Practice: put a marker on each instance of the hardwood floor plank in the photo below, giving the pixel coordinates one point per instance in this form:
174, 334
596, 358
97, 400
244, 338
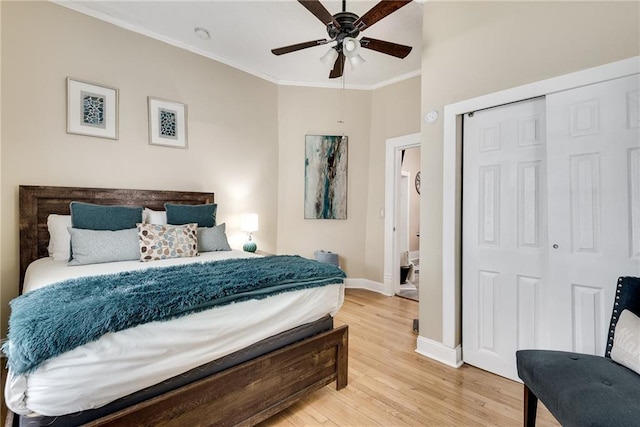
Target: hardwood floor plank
391, 385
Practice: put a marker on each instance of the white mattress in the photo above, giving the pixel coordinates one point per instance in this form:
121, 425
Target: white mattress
120, 363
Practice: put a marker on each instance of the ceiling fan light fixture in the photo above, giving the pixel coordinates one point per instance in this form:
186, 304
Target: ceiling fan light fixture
329, 58
343, 28
356, 61
350, 46
351, 49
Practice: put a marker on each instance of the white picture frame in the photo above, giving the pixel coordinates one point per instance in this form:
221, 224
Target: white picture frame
167, 123
92, 109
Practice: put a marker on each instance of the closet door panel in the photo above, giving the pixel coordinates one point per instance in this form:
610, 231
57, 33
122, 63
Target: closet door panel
503, 234
594, 205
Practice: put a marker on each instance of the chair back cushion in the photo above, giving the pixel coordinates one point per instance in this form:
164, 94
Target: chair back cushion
627, 297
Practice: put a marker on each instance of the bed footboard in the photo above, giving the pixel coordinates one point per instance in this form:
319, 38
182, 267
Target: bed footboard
248, 393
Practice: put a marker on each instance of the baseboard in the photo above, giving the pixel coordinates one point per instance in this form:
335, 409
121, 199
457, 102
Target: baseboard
407, 286
440, 352
371, 285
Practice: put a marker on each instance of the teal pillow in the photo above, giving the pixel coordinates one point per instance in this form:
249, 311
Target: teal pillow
203, 215
103, 217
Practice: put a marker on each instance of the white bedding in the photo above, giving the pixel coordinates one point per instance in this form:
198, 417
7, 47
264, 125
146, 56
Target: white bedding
120, 363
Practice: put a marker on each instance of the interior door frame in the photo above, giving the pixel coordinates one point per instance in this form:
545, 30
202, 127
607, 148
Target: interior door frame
393, 167
451, 350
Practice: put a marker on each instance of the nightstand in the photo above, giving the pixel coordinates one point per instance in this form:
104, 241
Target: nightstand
263, 253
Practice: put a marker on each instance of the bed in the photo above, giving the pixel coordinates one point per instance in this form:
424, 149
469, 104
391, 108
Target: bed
276, 366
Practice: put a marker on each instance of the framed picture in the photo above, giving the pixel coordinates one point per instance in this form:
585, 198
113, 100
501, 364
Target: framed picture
167, 123
92, 109
325, 177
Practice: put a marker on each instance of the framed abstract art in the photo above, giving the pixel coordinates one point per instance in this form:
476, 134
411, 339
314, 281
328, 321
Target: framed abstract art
167, 123
325, 177
92, 109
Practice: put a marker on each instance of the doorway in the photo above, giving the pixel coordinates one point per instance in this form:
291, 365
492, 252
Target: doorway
397, 212
409, 224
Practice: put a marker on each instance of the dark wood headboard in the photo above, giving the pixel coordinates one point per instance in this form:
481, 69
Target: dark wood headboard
37, 202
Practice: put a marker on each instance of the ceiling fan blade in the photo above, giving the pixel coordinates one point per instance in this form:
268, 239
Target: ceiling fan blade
379, 11
299, 46
320, 12
338, 66
393, 49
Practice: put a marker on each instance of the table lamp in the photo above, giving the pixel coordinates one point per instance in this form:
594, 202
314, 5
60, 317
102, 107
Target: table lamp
249, 224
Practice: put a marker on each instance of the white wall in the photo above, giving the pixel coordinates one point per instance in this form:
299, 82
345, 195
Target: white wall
246, 136
313, 111
475, 48
232, 122
395, 111
3, 306
370, 118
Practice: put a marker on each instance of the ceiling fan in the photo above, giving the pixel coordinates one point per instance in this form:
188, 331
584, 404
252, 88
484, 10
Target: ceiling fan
343, 28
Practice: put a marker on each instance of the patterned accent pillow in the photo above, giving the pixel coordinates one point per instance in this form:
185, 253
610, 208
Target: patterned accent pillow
159, 241
626, 342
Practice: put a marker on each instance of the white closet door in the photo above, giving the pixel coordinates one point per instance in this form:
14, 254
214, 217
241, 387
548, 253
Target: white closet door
504, 234
594, 207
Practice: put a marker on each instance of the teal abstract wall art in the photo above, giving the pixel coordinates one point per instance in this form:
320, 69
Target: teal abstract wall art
325, 177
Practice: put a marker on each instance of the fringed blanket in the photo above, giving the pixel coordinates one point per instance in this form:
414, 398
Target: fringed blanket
49, 321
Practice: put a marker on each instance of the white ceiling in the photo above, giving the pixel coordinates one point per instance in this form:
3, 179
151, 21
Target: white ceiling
243, 32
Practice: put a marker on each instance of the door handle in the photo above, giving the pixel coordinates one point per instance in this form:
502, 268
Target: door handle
555, 246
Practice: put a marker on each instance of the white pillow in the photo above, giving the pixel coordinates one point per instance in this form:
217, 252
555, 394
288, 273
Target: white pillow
150, 216
626, 341
59, 238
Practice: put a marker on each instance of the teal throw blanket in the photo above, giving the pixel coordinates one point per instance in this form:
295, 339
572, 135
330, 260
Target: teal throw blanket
48, 321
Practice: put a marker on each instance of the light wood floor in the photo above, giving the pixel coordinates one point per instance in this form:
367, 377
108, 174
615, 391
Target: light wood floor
391, 385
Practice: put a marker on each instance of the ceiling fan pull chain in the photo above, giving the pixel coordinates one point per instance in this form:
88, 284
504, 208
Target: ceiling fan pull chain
341, 121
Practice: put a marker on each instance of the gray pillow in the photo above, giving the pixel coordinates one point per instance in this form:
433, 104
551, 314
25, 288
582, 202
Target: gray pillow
98, 246
213, 239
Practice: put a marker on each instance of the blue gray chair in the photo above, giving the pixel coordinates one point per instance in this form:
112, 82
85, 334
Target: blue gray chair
580, 389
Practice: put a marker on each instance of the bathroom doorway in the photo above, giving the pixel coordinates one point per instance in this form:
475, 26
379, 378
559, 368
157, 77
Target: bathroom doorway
402, 186
408, 230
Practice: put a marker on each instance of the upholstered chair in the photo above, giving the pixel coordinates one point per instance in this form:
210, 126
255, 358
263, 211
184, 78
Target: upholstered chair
581, 389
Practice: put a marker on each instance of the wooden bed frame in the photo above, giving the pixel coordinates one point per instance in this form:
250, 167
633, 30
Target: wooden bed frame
245, 394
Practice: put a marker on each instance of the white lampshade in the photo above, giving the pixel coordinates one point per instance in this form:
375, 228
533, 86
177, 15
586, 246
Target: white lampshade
351, 49
249, 222
356, 60
350, 46
329, 58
